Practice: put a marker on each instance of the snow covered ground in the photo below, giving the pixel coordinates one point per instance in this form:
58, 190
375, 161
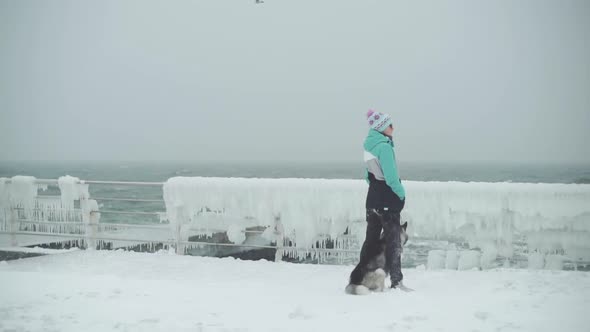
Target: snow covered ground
127, 291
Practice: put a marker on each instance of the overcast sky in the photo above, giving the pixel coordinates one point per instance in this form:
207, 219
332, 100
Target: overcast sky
292, 80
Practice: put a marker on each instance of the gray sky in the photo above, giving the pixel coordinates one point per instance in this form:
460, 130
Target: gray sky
292, 80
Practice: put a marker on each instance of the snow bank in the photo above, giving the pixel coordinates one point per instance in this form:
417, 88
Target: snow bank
551, 218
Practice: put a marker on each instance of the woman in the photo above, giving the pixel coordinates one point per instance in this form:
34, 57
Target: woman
386, 195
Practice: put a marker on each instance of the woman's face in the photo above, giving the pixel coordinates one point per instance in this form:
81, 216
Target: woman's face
388, 131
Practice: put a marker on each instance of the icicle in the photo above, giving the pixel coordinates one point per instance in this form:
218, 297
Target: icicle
489, 216
21, 192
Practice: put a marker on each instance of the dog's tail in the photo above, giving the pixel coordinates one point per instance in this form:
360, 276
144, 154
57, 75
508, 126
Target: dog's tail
357, 290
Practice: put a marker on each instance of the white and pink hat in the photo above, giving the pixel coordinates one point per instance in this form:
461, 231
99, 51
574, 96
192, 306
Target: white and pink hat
378, 121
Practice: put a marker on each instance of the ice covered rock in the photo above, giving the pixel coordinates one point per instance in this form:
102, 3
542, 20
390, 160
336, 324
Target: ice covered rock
536, 261
452, 260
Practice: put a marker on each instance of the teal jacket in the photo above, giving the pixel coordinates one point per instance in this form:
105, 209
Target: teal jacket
381, 163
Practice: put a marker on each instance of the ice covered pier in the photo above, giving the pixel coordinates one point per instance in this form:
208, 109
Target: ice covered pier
452, 225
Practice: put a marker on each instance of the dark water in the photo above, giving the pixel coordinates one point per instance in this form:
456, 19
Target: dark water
155, 171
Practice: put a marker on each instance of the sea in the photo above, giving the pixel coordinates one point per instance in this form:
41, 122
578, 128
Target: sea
416, 171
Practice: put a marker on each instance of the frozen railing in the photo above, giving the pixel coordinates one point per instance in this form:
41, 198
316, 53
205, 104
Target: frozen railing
58, 211
451, 224
42, 211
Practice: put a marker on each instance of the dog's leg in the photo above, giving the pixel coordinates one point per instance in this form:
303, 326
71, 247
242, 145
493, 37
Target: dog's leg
380, 280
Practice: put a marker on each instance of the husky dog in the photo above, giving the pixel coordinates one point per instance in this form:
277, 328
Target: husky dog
369, 274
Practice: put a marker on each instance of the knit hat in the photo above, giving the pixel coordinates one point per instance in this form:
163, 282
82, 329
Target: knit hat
378, 121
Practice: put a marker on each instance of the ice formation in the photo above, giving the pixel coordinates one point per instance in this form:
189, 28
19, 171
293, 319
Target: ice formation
551, 221
536, 261
22, 192
489, 217
554, 262
71, 189
236, 234
4, 194
45, 213
469, 259
436, 259
306, 208
18, 192
4, 204
452, 260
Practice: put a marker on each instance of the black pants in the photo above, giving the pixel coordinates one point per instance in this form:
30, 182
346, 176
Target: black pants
389, 222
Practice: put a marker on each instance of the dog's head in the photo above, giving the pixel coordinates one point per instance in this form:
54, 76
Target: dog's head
403, 234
